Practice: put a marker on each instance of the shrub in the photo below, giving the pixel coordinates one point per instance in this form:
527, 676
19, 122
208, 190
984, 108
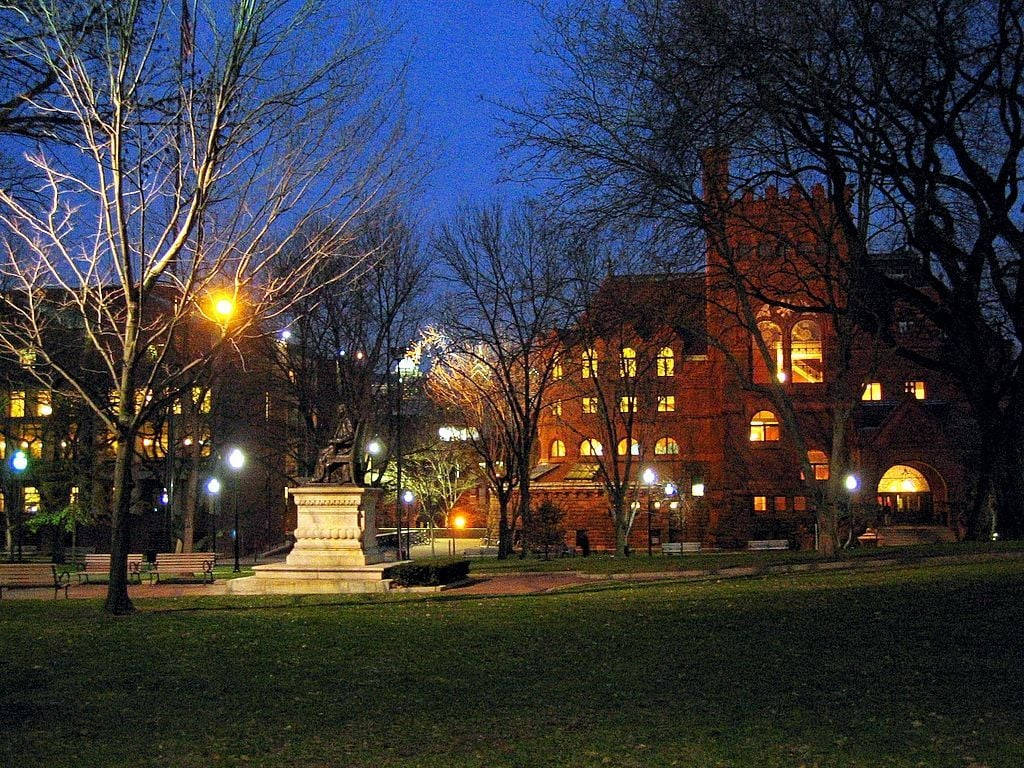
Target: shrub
428, 574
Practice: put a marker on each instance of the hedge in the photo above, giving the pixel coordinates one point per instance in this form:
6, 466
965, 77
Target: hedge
428, 574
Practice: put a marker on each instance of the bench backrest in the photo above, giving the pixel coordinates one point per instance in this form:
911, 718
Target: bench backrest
16, 574
769, 544
101, 563
185, 562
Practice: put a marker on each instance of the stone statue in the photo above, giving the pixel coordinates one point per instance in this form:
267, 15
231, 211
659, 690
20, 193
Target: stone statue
336, 463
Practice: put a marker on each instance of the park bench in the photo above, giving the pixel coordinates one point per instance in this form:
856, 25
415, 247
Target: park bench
763, 544
679, 547
33, 575
99, 565
183, 564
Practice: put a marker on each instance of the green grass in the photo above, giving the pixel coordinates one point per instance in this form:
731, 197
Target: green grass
639, 562
906, 667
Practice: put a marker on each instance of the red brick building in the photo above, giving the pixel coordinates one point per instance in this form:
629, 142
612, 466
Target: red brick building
665, 397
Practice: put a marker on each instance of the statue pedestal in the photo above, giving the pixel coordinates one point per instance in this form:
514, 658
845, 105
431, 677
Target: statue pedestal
335, 546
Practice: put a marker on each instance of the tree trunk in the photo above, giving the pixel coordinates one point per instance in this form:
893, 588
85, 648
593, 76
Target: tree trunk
504, 534
524, 510
118, 602
621, 526
189, 508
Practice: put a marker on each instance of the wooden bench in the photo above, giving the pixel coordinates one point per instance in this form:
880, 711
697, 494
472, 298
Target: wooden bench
99, 565
679, 547
33, 575
763, 544
183, 564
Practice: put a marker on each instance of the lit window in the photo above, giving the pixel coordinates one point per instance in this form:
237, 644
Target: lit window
43, 405
799, 503
764, 427
872, 391
819, 465
666, 403
666, 362
666, 446
556, 369
590, 405
780, 503
805, 353
760, 503
557, 449
31, 499
556, 408
201, 398
591, 447
772, 336
627, 404
27, 357
627, 363
142, 398
915, 389
630, 445
589, 363
17, 405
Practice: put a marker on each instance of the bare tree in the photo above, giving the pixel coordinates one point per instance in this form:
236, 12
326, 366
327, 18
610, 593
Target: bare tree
192, 167
508, 289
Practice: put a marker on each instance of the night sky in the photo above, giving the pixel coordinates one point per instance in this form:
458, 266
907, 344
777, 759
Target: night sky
463, 55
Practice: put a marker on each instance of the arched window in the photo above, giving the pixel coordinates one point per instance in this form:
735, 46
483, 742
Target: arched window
805, 352
630, 445
627, 363
556, 368
819, 464
589, 363
666, 446
666, 362
764, 427
557, 449
591, 447
772, 335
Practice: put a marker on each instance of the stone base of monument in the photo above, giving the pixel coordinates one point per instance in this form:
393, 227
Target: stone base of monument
335, 548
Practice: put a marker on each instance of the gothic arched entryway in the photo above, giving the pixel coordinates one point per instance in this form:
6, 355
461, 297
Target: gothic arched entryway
905, 496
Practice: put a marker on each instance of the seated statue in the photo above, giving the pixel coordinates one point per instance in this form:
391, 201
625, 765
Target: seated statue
336, 463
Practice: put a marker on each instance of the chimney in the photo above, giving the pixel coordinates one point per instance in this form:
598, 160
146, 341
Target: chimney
715, 180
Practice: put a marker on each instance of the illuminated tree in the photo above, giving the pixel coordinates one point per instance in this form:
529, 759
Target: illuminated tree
187, 174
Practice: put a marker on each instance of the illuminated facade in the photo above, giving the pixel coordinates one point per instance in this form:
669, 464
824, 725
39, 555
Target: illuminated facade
676, 382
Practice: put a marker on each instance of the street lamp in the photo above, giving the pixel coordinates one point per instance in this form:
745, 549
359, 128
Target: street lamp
213, 488
851, 483
650, 478
407, 498
224, 308
236, 460
19, 463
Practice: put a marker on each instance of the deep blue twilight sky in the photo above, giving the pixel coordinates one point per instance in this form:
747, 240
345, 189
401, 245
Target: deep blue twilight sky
463, 55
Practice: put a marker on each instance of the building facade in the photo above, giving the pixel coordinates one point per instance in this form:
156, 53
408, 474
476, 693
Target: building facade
670, 395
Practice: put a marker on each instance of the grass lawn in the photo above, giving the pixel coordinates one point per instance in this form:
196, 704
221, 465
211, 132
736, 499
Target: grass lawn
912, 667
639, 562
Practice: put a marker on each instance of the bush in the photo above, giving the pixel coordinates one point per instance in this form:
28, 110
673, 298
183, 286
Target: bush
428, 574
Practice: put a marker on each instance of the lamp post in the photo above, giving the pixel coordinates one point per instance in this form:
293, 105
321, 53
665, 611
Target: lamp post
407, 498
213, 488
650, 478
236, 460
404, 368
19, 463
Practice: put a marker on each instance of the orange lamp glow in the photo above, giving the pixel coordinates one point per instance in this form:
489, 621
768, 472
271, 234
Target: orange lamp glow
224, 307
459, 521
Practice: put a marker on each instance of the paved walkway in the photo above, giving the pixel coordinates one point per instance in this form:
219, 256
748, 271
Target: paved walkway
537, 583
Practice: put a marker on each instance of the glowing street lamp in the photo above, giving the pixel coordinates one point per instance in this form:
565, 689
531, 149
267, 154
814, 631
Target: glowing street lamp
213, 488
19, 463
851, 483
650, 479
224, 308
236, 460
